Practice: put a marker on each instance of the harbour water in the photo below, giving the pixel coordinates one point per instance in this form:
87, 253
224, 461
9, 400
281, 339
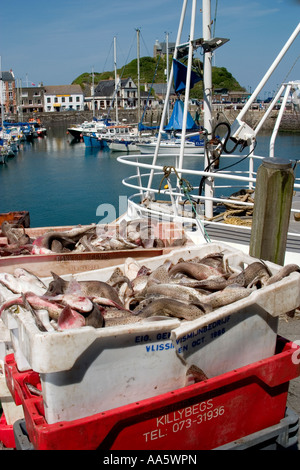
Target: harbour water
64, 183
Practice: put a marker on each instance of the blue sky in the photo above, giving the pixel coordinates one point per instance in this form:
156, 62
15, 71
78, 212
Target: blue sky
55, 41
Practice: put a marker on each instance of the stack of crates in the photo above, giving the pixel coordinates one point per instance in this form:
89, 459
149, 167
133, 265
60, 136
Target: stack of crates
241, 409
9, 412
127, 386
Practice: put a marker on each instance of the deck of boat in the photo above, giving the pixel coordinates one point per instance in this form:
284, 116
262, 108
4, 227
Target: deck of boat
233, 234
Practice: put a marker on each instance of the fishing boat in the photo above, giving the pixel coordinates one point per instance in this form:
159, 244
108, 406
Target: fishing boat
204, 200
171, 141
88, 127
41, 131
120, 138
170, 147
123, 145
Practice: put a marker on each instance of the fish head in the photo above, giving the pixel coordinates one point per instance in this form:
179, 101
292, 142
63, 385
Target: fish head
57, 286
69, 319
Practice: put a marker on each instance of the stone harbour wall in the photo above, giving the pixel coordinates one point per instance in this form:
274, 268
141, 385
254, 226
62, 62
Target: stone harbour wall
290, 120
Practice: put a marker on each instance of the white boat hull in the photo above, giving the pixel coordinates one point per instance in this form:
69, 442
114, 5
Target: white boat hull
170, 148
125, 146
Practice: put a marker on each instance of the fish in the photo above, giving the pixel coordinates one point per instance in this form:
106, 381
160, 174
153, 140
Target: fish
90, 289
78, 302
161, 273
19, 285
175, 291
69, 319
116, 317
22, 273
256, 272
16, 249
33, 390
95, 317
131, 268
65, 238
173, 308
36, 302
121, 244
195, 270
283, 272
230, 294
6, 293
197, 373
38, 321
214, 260
15, 236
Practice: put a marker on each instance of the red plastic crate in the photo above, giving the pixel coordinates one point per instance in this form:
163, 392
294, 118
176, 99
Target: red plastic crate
202, 416
7, 433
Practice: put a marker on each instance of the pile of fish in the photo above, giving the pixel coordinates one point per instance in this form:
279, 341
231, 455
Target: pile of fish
186, 290
91, 238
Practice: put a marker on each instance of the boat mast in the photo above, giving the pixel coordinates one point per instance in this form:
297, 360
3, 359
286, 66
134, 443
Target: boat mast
207, 102
187, 84
1, 80
93, 91
138, 74
116, 78
167, 69
163, 117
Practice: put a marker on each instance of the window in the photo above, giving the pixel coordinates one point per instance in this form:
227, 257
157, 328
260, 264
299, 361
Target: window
70, 99
48, 100
63, 99
77, 99
56, 100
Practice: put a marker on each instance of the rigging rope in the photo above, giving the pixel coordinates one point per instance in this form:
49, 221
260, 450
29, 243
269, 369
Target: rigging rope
187, 188
116, 90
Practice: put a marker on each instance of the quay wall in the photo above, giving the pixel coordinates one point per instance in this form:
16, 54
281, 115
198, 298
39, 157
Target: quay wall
290, 120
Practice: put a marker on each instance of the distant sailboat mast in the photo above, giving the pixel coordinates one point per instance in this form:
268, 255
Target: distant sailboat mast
138, 74
2, 114
116, 77
93, 91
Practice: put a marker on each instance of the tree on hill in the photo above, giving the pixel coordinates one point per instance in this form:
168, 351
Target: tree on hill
220, 76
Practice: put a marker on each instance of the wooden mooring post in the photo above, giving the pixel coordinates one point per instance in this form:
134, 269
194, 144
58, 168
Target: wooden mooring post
272, 207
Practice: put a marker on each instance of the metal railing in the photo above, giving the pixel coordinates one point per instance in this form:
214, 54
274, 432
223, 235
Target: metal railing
226, 180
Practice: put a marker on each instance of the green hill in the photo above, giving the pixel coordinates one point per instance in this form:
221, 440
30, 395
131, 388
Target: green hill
220, 75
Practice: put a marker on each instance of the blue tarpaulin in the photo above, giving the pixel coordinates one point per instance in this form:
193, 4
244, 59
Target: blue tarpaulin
180, 71
142, 127
175, 122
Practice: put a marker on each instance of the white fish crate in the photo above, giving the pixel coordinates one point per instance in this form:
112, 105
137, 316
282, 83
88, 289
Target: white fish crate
85, 370
6, 346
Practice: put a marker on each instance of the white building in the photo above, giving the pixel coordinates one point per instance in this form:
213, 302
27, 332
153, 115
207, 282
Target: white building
63, 98
127, 95
8, 92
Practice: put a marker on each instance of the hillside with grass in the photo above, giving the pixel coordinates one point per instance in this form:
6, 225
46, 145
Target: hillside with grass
153, 69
